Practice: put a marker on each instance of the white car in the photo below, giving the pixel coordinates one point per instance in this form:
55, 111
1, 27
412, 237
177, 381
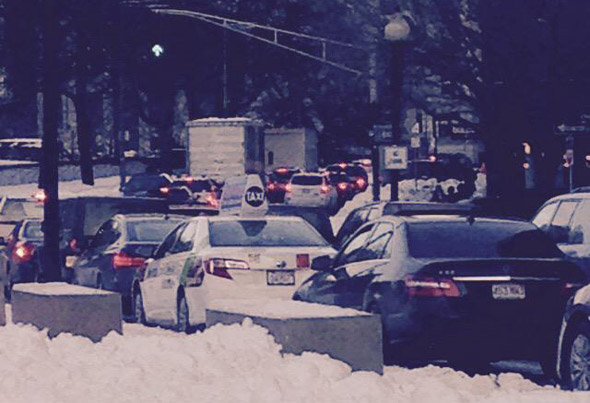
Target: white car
224, 257
311, 190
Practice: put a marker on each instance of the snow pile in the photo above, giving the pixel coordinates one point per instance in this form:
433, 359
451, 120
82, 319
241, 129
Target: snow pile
238, 363
422, 190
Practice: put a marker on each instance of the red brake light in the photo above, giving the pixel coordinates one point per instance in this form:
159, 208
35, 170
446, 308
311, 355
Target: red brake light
212, 200
165, 191
343, 165
272, 186
325, 189
23, 252
303, 261
74, 245
431, 288
288, 188
219, 267
123, 261
342, 186
282, 171
361, 183
40, 196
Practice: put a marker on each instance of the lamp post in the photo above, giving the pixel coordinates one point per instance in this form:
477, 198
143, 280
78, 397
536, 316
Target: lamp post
397, 32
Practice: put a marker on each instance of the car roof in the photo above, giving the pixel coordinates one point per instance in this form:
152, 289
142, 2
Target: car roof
151, 216
449, 218
309, 174
227, 218
577, 195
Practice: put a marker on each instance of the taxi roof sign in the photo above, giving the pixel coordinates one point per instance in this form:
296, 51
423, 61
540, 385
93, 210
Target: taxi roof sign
244, 196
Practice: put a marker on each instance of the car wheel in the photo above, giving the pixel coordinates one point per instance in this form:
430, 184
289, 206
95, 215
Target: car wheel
182, 315
138, 312
576, 353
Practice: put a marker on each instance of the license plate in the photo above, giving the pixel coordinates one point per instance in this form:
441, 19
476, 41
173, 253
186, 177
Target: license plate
508, 291
280, 277
306, 191
71, 261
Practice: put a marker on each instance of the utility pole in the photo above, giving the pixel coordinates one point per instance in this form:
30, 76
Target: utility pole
116, 94
49, 180
397, 32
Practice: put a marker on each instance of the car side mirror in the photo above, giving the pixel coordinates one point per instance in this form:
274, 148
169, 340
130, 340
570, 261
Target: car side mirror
322, 263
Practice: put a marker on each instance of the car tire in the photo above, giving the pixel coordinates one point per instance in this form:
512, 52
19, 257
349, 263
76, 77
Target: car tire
138, 311
575, 364
182, 315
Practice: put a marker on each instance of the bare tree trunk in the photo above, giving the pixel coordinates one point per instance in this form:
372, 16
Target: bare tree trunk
82, 118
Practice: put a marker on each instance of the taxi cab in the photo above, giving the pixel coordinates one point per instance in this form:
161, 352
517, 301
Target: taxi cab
224, 257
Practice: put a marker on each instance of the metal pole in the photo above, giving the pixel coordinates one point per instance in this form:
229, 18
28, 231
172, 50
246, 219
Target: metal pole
397, 78
49, 180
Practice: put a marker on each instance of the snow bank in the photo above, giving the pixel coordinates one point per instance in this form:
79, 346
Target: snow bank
238, 363
57, 289
103, 187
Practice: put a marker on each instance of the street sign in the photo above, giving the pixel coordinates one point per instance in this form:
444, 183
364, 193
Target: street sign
395, 157
564, 129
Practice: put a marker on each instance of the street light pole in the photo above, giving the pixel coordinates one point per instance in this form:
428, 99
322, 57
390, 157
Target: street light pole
397, 32
48, 178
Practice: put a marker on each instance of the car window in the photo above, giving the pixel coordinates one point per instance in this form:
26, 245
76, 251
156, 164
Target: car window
267, 233
353, 249
33, 230
352, 223
108, 233
378, 243
580, 224
186, 239
560, 226
307, 180
168, 242
564, 213
544, 216
479, 240
150, 230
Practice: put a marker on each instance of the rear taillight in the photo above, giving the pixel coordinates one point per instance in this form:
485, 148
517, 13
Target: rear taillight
418, 287
303, 261
220, 267
122, 260
211, 200
325, 189
342, 186
164, 191
360, 183
288, 188
74, 245
23, 252
272, 187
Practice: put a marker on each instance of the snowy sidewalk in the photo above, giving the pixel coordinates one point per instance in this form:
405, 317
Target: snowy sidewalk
238, 363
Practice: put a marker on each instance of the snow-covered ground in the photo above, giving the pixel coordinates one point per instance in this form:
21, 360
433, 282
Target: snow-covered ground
103, 187
237, 363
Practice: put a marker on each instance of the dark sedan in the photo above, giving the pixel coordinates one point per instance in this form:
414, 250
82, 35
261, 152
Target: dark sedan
573, 359
148, 185
119, 249
22, 250
471, 291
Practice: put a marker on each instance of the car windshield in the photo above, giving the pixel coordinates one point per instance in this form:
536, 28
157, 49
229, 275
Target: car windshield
264, 233
150, 230
146, 182
479, 240
307, 180
33, 230
199, 185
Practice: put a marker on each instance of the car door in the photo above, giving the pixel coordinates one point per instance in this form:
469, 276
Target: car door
353, 269
151, 286
559, 229
578, 244
359, 273
88, 268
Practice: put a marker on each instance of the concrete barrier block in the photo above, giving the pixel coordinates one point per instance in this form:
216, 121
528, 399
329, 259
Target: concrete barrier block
350, 336
66, 308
